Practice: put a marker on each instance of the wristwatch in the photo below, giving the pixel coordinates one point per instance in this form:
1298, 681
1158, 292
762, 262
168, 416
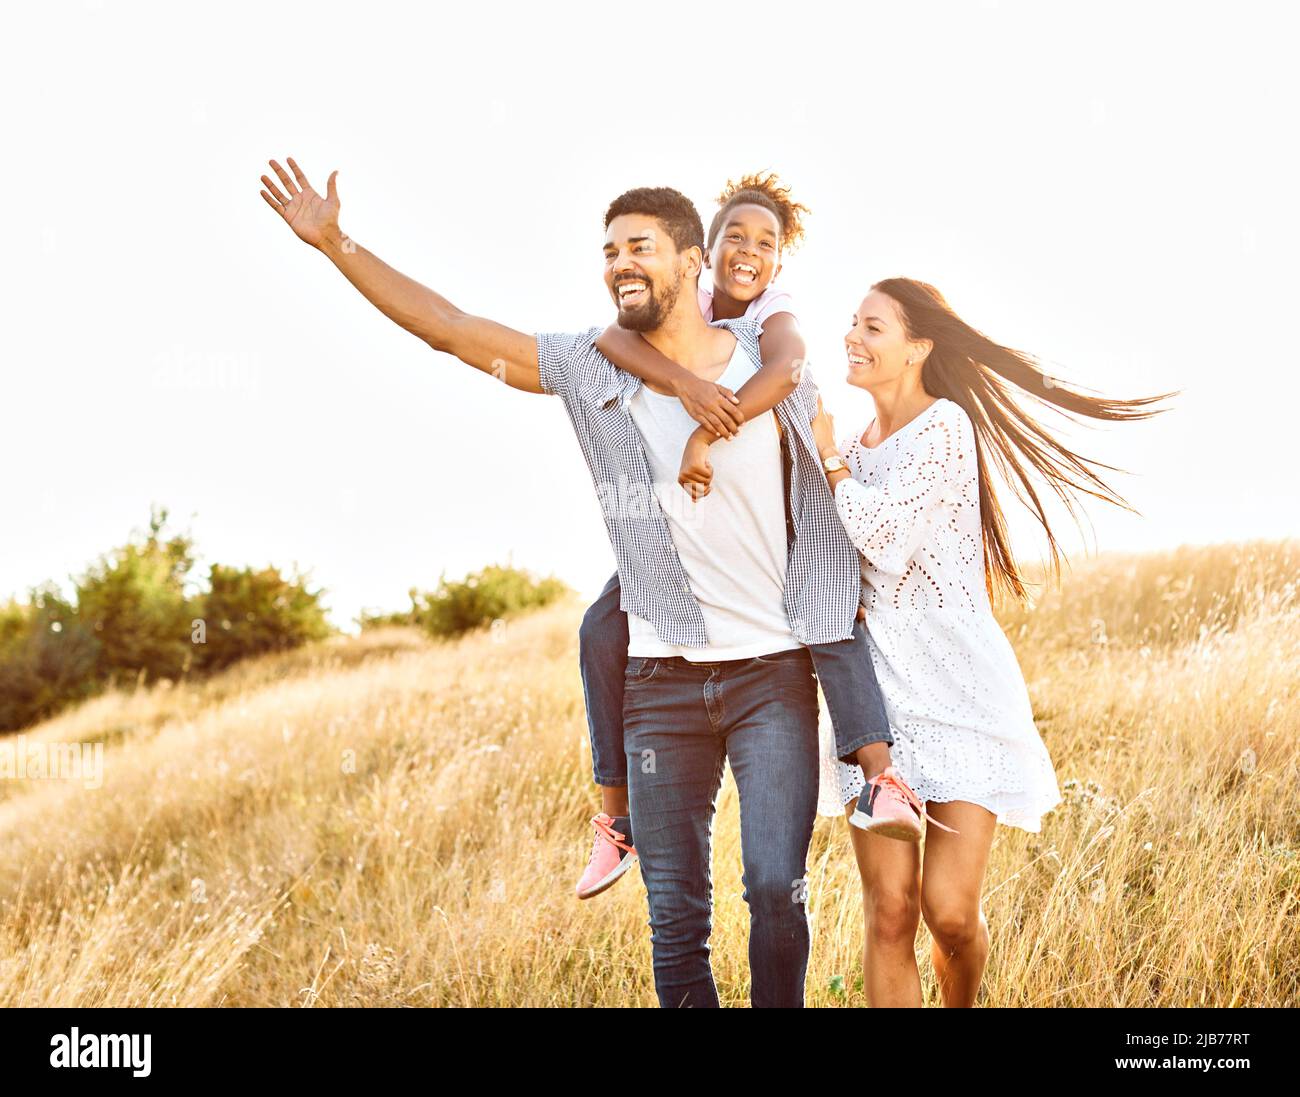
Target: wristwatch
834, 463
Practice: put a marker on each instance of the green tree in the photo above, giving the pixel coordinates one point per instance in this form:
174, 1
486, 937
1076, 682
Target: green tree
249, 612
47, 658
134, 603
479, 599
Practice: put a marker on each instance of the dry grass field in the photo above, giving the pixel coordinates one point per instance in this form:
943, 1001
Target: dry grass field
389, 820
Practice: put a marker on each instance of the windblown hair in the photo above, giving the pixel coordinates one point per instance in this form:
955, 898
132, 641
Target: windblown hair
763, 189
671, 208
973, 371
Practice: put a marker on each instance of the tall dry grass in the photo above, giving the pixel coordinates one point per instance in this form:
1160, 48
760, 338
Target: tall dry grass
389, 820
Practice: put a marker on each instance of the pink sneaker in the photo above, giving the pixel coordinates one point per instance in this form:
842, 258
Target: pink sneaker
612, 854
888, 807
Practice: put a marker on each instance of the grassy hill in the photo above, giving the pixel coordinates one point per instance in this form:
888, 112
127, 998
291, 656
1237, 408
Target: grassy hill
391, 820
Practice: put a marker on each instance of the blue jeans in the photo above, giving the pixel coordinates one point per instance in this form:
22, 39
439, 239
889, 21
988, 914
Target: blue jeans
848, 682
682, 720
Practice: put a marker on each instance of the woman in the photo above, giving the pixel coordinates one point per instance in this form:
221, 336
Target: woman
915, 495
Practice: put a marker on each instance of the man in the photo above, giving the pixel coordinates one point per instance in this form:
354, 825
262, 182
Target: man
731, 590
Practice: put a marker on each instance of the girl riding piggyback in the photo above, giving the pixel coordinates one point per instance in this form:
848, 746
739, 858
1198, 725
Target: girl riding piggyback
756, 223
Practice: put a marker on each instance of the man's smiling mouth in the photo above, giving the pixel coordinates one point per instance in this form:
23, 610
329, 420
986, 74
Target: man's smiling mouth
632, 292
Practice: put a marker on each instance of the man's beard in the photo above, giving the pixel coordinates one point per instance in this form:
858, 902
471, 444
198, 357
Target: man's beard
651, 315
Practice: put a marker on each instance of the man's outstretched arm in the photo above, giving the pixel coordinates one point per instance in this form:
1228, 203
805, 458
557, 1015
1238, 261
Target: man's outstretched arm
508, 355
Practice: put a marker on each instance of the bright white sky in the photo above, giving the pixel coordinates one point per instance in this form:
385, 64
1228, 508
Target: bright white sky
1112, 188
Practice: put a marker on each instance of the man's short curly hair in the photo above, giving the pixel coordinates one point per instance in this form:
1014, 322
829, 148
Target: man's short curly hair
671, 208
763, 189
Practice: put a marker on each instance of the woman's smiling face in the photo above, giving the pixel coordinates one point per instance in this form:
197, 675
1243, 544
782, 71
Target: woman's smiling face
746, 254
877, 345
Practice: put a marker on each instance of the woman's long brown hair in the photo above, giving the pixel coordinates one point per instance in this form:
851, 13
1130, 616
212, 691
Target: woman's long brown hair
971, 370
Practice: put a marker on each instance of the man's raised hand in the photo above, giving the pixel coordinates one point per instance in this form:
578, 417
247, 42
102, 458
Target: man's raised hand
309, 215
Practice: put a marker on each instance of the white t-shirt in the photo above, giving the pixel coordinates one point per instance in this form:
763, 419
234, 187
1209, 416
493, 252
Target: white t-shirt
732, 543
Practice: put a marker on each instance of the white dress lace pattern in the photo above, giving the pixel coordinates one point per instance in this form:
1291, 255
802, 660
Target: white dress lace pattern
957, 703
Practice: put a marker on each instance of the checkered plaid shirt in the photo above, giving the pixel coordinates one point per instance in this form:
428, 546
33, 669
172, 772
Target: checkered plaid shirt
823, 572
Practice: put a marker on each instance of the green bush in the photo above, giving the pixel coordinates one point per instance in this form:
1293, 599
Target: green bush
383, 620
247, 612
134, 621
133, 601
47, 658
479, 599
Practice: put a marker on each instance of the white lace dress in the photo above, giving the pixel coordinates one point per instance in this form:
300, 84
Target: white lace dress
958, 708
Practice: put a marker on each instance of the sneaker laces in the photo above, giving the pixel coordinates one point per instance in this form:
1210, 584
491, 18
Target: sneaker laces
605, 831
888, 777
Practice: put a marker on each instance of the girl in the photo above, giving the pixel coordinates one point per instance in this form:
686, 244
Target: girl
756, 222
917, 499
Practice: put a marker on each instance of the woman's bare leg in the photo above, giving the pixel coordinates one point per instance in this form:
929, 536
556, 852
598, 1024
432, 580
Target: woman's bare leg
952, 879
891, 903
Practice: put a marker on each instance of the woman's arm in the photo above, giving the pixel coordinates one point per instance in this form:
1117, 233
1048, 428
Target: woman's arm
715, 407
888, 521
